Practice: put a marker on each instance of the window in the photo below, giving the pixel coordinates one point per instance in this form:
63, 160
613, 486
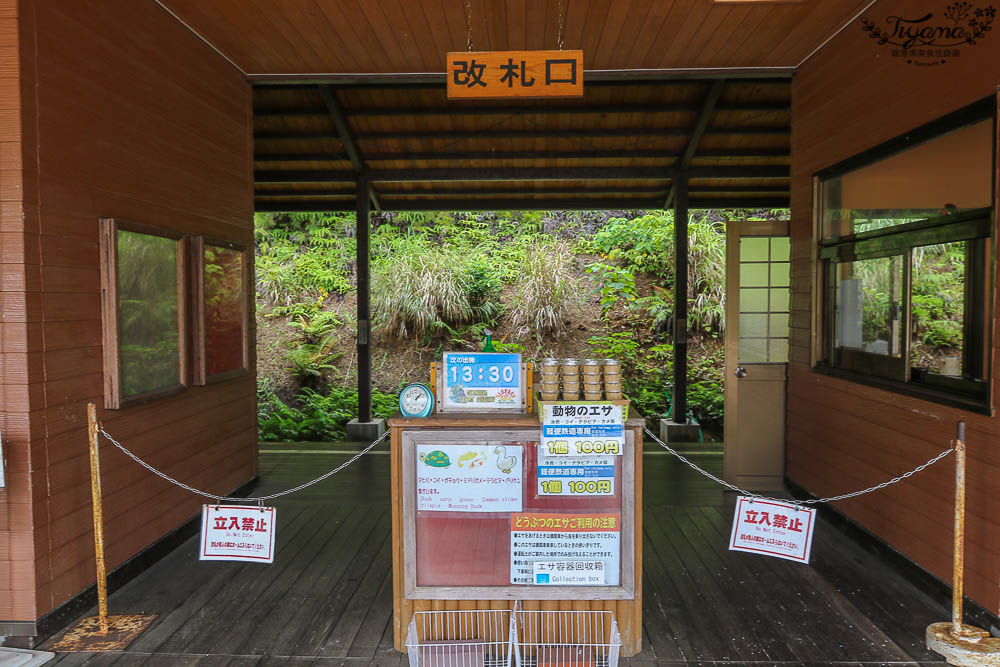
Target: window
143, 279
906, 262
220, 314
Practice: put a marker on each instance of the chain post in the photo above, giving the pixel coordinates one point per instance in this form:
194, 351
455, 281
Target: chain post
95, 491
958, 565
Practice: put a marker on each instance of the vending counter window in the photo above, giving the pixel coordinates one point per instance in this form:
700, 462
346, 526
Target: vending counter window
483, 515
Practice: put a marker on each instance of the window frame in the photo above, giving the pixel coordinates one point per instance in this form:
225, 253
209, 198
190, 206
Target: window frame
110, 312
974, 226
199, 327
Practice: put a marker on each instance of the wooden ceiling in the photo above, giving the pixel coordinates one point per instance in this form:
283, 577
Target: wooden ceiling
349, 87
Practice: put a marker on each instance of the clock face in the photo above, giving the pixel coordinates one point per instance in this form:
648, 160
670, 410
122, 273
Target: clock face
415, 401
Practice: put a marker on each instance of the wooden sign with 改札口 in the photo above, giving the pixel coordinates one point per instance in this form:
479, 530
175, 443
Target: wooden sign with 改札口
498, 74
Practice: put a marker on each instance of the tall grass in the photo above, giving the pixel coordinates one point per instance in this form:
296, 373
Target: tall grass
547, 293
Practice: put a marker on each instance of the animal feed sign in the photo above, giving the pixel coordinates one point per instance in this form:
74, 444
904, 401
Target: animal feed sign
237, 532
481, 477
772, 528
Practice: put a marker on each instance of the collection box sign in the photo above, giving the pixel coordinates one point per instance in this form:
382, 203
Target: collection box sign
478, 381
501, 74
582, 429
537, 537
237, 532
773, 528
469, 478
575, 475
569, 573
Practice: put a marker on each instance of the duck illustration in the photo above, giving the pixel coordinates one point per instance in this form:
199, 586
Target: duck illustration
473, 459
504, 462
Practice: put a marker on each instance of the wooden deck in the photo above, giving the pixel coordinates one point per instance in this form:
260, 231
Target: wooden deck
327, 600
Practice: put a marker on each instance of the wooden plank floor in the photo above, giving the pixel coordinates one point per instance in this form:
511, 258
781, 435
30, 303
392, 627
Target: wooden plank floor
327, 600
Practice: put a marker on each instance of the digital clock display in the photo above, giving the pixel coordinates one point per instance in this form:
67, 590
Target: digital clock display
482, 380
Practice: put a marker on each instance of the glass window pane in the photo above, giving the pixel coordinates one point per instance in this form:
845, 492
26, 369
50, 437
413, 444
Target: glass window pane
223, 309
753, 275
753, 325
869, 305
147, 313
753, 249
937, 304
778, 325
779, 299
780, 249
948, 173
777, 350
753, 300
779, 274
753, 350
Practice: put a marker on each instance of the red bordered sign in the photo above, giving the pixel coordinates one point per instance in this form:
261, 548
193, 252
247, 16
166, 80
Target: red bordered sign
773, 528
237, 532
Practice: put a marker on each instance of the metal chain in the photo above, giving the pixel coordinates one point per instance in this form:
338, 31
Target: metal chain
256, 499
812, 501
562, 24
468, 24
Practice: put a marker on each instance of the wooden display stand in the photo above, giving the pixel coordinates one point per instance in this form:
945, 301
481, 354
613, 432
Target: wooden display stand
625, 600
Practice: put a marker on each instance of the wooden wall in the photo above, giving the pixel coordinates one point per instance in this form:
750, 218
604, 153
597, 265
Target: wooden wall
125, 114
17, 548
851, 95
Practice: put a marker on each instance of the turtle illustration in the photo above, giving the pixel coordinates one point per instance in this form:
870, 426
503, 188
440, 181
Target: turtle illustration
436, 459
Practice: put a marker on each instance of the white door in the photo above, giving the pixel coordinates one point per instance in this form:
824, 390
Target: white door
757, 308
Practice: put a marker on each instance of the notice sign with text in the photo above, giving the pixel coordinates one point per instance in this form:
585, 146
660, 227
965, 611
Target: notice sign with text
499, 74
237, 532
582, 429
476, 381
469, 478
561, 538
773, 528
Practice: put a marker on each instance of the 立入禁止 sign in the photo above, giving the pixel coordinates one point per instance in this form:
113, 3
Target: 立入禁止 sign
236, 532
469, 478
499, 74
772, 528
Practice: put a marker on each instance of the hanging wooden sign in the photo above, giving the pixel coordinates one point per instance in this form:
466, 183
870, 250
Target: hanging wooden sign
499, 74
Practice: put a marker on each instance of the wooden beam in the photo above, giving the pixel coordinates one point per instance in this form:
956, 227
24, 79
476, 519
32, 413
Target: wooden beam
442, 174
336, 114
749, 131
679, 76
699, 130
261, 193
499, 110
734, 153
517, 204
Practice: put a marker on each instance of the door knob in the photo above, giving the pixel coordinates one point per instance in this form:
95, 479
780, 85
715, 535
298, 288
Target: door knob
740, 372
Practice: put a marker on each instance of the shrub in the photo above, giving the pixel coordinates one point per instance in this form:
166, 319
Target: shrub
546, 293
317, 417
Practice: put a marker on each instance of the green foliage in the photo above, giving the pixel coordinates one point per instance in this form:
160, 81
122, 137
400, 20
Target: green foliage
659, 308
318, 416
614, 284
303, 255
547, 292
428, 287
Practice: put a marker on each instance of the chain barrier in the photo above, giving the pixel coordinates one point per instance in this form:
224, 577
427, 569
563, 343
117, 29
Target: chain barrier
228, 499
812, 501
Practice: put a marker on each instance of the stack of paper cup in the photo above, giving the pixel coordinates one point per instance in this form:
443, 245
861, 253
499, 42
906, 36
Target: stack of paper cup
550, 380
570, 379
592, 388
612, 379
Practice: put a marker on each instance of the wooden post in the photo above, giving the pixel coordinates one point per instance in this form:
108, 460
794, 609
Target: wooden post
958, 570
95, 490
680, 296
364, 300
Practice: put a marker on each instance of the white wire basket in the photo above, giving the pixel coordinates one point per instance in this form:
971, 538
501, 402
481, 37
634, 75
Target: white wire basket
566, 639
496, 637
460, 638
